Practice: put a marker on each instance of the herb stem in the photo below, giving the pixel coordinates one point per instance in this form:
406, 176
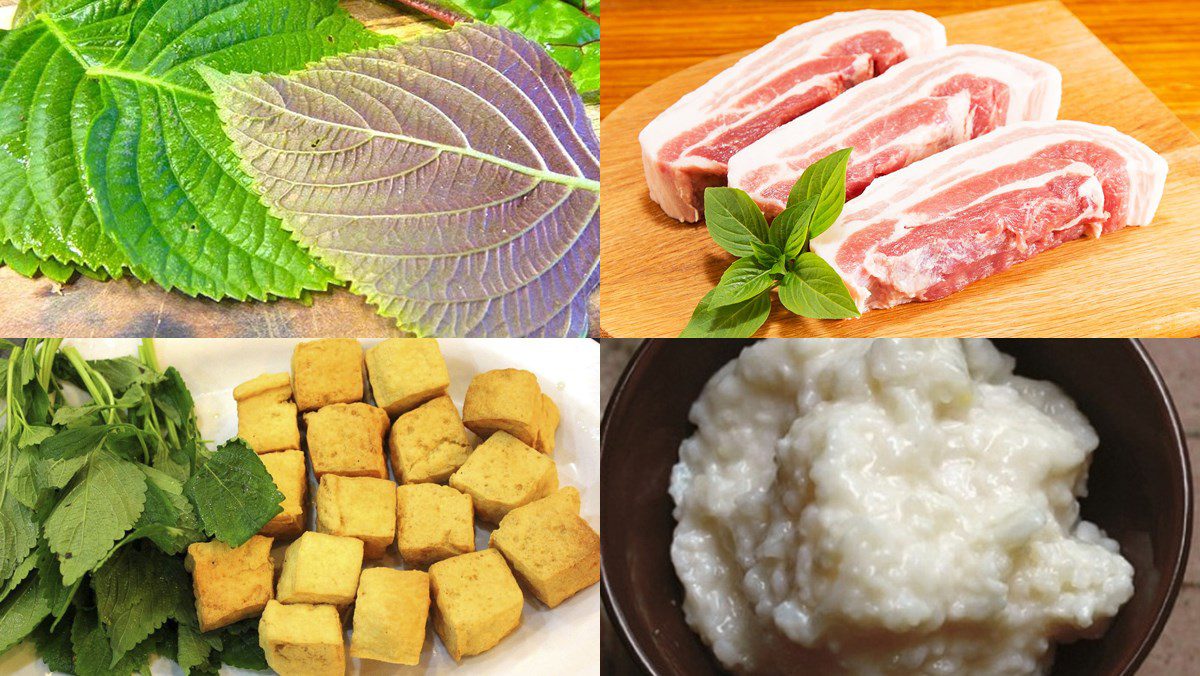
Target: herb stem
85, 376
435, 9
61, 610
9, 422
149, 354
45, 359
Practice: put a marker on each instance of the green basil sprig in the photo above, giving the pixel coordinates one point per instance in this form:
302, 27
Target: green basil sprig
775, 255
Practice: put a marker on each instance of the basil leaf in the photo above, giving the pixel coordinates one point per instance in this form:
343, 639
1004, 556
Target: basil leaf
734, 220
825, 180
744, 280
789, 230
766, 254
739, 320
813, 289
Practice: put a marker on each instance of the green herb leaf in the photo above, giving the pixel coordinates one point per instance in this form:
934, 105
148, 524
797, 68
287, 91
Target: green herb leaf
54, 647
137, 590
734, 221
27, 264
814, 289
744, 280
90, 414
193, 648
789, 230
18, 535
77, 441
739, 320
824, 180
22, 571
23, 480
241, 649
103, 502
47, 106
34, 435
58, 472
121, 373
93, 653
172, 397
233, 493
767, 254
168, 519
21, 613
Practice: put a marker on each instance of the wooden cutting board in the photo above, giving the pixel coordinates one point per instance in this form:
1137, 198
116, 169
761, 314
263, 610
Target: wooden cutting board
1136, 282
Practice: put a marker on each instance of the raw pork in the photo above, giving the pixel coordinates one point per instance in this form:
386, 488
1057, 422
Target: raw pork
918, 108
687, 147
939, 224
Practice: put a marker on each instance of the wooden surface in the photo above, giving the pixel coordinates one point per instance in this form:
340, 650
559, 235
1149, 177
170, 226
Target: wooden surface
1136, 282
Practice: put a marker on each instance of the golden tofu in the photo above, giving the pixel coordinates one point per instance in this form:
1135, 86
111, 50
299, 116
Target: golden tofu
428, 443
358, 507
547, 426
322, 569
433, 522
551, 549
390, 615
327, 371
266, 414
406, 372
230, 584
291, 478
347, 439
476, 602
506, 399
503, 474
302, 639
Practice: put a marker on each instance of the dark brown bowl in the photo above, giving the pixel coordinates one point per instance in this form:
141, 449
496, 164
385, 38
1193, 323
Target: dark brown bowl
1139, 492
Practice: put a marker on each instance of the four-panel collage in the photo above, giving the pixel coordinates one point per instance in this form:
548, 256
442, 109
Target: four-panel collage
331, 328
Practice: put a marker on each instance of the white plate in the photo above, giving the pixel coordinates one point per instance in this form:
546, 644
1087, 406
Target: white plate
563, 640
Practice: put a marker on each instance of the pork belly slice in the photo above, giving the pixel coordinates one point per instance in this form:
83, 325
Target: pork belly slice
920, 107
934, 227
687, 147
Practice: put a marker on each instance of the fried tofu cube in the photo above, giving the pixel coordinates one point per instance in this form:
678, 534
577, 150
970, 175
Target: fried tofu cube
230, 584
547, 427
322, 569
476, 602
390, 615
406, 372
358, 507
551, 549
505, 399
428, 443
328, 371
433, 522
266, 413
347, 439
302, 639
503, 474
291, 478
